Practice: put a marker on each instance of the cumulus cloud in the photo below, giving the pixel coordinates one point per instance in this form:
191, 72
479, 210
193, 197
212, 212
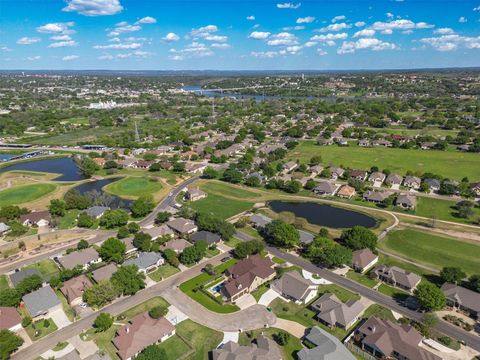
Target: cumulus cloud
321, 52
61, 44
259, 35
195, 49
400, 24
203, 31
360, 23
264, 54
70, 57
119, 46
330, 38
452, 42
56, 28
335, 27
374, 44
476, 8
364, 33
289, 5
251, 18
33, 58
28, 40
444, 31
220, 45
283, 38
218, 38
94, 7
124, 28
462, 19
171, 37
389, 14
290, 28
137, 54
305, 20
338, 18
61, 38
147, 20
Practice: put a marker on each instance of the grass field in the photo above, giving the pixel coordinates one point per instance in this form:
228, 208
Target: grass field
220, 206
80, 136
46, 267
227, 190
39, 326
25, 193
133, 187
3, 282
361, 279
440, 209
163, 272
200, 338
396, 160
433, 250
289, 349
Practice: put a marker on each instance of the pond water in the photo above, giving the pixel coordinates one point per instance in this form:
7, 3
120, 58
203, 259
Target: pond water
112, 201
66, 167
324, 215
6, 156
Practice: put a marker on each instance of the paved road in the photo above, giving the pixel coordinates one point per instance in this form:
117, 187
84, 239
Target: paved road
470, 339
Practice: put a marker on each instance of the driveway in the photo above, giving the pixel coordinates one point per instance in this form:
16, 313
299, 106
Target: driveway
84, 348
292, 327
229, 336
174, 315
245, 301
60, 319
268, 297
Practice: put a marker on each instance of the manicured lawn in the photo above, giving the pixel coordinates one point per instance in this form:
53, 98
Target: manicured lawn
200, 338
441, 210
164, 272
40, 326
283, 270
47, 267
211, 253
66, 307
262, 289
277, 260
219, 206
134, 187
175, 347
227, 189
103, 339
289, 349
378, 311
69, 220
397, 160
25, 193
250, 231
190, 288
341, 293
391, 291
434, 250
390, 261
147, 305
3, 282
361, 279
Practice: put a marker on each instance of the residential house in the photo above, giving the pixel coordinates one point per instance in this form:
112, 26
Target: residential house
360, 175
104, 273
131, 250
140, 332
292, 285
182, 226
194, 193
177, 245
305, 237
377, 178
259, 221
96, 212
386, 339
316, 170
195, 168
10, 319
323, 141
341, 141
73, 289
289, 166
384, 143
325, 188
334, 313
17, 277
262, 348
346, 191
406, 201
412, 182
146, 261
38, 218
336, 172
326, 347
159, 231
377, 197
475, 188
464, 299
398, 277
142, 164
4, 228
41, 302
83, 258
363, 143
427, 145
363, 259
246, 275
209, 237
394, 181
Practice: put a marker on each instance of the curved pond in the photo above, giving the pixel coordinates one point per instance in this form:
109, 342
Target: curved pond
324, 215
66, 167
103, 197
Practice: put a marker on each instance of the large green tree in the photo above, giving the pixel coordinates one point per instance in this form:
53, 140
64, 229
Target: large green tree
100, 294
281, 234
112, 249
128, 280
430, 297
103, 322
359, 237
9, 343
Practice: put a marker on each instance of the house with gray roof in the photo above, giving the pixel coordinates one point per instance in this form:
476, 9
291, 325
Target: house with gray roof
104, 273
398, 277
209, 237
377, 197
159, 231
41, 302
83, 258
306, 237
433, 184
334, 313
325, 188
262, 348
336, 172
406, 201
394, 180
96, 212
363, 259
462, 298
17, 277
292, 285
260, 220
4, 228
327, 347
182, 226
146, 261
412, 182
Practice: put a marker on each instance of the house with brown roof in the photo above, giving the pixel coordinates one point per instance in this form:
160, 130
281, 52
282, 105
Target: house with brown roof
292, 285
394, 181
377, 197
262, 348
398, 277
386, 339
336, 172
246, 275
73, 289
182, 226
177, 245
289, 166
37, 218
142, 164
360, 175
334, 313
463, 299
406, 201
346, 191
412, 182
83, 258
325, 188
140, 332
363, 259
10, 319
159, 231
194, 193
377, 178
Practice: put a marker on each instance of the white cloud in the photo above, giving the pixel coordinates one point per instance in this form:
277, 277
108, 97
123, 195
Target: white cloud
444, 31
360, 23
147, 20
56, 28
321, 52
305, 20
290, 28
294, 49
388, 32
251, 18
171, 37
329, 38
283, 38
61, 38
137, 54
220, 46
259, 35
203, 31
400, 24
364, 33
28, 40
5, 48
124, 28
374, 44
476, 8
195, 49
289, 5
94, 7
452, 42
33, 58
120, 46
335, 27
70, 57
264, 54
462, 19
60, 44
389, 14
217, 38
310, 44
338, 18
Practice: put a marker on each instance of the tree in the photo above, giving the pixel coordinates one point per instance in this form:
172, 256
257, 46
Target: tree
86, 165
103, 322
452, 274
210, 173
9, 343
85, 221
157, 312
10, 297
82, 244
465, 209
293, 186
171, 257
10, 212
142, 241
316, 160
310, 184
193, 254
178, 167
123, 232
282, 234
29, 284
162, 217
142, 206
100, 294
112, 249
152, 352
128, 280
430, 297
133, 227
281, 338
114, 218
246, 248
327, 252
323, 232
429, 320
57, 207
74, 200
252, 181
232, 176
474, 282
359, 237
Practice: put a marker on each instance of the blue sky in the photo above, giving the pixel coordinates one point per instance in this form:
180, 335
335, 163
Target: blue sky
238, 35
